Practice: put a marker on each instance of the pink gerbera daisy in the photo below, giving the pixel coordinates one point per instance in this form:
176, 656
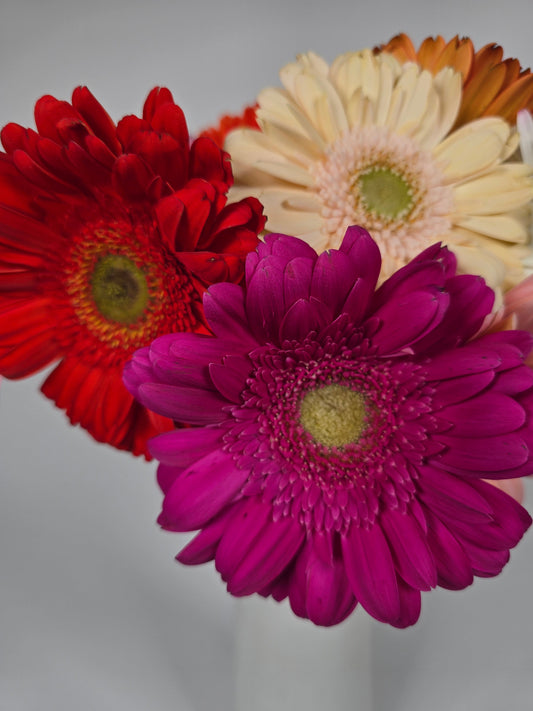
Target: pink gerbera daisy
340, 434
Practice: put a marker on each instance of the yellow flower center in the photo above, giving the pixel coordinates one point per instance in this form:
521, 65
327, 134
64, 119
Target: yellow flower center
120, 289
333, 415
385, 192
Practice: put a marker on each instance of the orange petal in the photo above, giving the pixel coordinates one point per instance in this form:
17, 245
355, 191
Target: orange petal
401, 47
458, 54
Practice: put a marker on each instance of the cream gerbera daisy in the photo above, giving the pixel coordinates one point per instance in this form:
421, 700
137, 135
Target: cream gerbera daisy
369, 141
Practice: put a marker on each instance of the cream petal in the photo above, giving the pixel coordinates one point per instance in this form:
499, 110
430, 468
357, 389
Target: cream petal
510, 256
345, 73
401, 94
524, 123
292, 145
424, 133
504, 189
386, 83
472, 149
503, 227
289, 172
304, 62
309, 129
321, 104
511, 146
255, 149
476, 260
449, 86
274, 107
290, 212
414, 107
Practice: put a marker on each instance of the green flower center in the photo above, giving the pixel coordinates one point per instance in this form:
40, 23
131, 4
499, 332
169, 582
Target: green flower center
119, 289
333, 415
385, 192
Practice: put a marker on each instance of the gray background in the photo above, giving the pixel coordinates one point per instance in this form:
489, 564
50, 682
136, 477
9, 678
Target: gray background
94, 613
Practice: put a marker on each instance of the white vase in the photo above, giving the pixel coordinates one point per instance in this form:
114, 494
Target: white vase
284, 663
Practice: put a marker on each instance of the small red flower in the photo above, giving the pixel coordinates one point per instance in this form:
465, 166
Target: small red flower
228, 122
109, 234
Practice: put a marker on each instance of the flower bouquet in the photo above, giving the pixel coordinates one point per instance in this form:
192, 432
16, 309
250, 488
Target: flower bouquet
316, 316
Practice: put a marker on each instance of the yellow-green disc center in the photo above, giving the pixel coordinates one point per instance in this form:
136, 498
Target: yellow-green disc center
385, 192
333, 415
119, 289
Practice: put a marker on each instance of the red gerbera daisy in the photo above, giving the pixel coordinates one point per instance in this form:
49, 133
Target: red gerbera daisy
109, 234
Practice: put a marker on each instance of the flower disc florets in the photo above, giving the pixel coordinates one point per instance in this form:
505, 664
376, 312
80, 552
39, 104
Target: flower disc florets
340, 434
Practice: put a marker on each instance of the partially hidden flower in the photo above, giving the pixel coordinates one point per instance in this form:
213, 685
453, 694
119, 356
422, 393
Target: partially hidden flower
492, 85
109, 234
229, 122
340, 434
370, 141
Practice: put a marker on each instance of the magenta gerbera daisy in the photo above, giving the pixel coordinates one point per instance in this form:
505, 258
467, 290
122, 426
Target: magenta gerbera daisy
341, 433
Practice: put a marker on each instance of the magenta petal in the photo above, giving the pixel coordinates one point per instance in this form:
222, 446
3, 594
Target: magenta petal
408, 319
320, 591
411, 553
485, 563
357, 300
285, 247
268, 557
297, 279
509, 515
451, 496
471, 300
181, 448
226, 315
254, 549
299, 321
454, 390
200, 492
415, 276
230, 377
363, 252
265, 304
196, 407
203, 546
370, 570
137, 371
490, 457
500, 341
469, 359
410, 605
514, 381
454, 570
332, 279
166, 476
196, 350
485, 415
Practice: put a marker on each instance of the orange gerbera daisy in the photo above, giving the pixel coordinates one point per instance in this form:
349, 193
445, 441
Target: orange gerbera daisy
228, 122
492, 86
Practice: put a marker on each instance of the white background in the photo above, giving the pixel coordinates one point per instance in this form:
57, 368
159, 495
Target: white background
94, 613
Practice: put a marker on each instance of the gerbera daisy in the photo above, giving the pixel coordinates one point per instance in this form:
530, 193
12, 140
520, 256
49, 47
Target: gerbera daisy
492, 86
340, 434
108, 237
367, 141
